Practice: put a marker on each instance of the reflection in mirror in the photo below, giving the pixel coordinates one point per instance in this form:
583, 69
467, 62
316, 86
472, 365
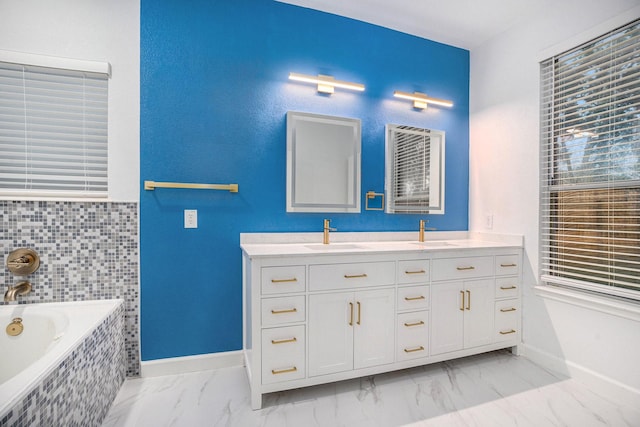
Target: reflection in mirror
414, 171
323, 163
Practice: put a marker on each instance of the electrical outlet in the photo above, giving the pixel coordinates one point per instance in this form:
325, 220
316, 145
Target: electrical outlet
190, 218
488, 221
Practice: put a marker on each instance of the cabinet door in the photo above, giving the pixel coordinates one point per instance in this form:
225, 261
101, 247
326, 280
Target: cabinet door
447, 317
478, 313
331, 320
374, 328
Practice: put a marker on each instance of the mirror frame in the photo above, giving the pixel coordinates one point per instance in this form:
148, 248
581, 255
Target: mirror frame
319, 177
437, 138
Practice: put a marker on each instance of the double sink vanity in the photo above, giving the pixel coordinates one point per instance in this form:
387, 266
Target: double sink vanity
369, 303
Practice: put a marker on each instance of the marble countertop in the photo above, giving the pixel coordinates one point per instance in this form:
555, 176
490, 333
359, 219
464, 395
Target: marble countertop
291, 244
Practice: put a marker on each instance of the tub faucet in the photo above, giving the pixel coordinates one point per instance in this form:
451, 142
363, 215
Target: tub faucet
326, 230
22, 288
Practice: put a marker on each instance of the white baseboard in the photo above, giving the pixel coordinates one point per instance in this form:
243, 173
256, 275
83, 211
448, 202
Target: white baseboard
182, 365
606, 387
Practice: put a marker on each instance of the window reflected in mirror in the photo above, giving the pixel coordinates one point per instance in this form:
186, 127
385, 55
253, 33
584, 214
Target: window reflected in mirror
414, 172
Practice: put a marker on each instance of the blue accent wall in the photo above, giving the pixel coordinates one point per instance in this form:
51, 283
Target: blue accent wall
214, 96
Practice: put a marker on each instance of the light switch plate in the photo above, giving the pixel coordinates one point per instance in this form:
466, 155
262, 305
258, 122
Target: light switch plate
190, 218
488, 221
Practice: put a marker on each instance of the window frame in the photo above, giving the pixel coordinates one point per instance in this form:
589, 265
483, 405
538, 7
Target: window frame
549, 186
62, 67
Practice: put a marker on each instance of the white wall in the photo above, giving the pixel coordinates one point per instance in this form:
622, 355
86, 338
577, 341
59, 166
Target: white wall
98, 30
504, 182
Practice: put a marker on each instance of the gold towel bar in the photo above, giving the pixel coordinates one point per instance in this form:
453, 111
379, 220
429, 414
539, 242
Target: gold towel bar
152, 185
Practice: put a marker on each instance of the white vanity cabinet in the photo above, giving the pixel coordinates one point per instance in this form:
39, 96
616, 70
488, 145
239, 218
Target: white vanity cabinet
462, 315
508, 302
468, 310
313, 316
350, 330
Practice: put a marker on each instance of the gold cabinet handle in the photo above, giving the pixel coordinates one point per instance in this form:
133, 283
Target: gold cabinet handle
461, 300
355, 276
506, 288
465, 268
408, 325
359, 312
284, 280
351, 315
468, 300
509, 265
289, 310
415, 272
506, 310
512, 331
283, 371
414, 298
284, 341
412, 350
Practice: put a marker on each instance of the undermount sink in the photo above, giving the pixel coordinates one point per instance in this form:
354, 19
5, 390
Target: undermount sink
434, 243
332, 246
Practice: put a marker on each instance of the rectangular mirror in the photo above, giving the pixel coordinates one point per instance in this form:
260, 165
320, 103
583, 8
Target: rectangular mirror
414, 170
323, 163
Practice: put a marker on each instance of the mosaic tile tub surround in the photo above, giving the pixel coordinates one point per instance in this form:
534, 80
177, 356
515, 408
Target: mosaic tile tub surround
79, 391
88, 251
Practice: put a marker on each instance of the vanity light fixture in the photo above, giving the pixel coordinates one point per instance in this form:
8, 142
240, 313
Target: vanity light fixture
420, 100
326, 84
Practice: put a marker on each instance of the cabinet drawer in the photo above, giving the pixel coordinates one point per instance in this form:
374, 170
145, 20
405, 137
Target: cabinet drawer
507, 320
507, 265
286, 279
507, 287
413, 335
462, 268
413, 298
341, 276
278, 311
413, 271
283, 354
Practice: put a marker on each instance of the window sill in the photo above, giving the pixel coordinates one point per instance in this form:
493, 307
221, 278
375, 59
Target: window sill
53, 198
604, 304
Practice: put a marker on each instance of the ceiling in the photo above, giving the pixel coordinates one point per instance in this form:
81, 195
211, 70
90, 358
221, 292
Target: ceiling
462, 23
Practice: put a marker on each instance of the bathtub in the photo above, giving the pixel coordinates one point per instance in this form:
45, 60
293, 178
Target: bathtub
65, 351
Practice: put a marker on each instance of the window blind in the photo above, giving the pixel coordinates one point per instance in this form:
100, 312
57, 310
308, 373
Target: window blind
53, 131
590, 166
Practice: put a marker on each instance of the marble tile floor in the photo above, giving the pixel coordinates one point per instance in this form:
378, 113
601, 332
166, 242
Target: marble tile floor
492, 389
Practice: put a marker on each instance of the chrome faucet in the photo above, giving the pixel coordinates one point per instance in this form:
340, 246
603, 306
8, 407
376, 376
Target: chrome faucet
22, 288
326, 230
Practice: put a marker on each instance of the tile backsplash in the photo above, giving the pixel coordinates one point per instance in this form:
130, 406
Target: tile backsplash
88, 251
